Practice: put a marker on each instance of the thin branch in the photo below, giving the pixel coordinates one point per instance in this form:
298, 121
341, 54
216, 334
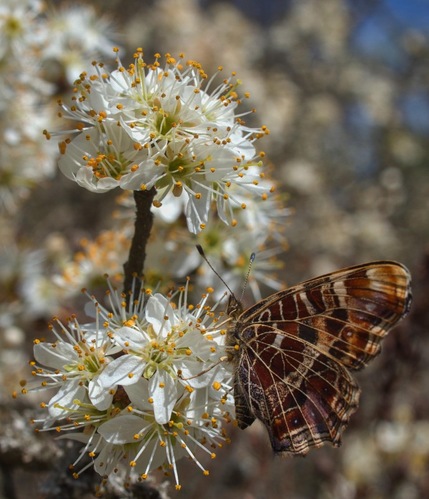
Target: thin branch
142, 227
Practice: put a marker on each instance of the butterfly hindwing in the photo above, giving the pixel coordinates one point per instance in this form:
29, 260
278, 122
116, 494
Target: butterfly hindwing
302, 397
243, 414
296, 345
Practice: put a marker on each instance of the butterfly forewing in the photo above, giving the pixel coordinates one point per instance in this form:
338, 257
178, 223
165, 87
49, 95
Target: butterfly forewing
295, 346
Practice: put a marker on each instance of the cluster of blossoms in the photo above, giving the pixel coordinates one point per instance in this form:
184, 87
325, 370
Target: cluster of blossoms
172, 256
145, 381
148, 126
172, 130
28, 82
92, 262
261, 226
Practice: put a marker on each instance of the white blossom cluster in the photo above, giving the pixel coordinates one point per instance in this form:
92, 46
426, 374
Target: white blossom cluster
147, 383
165, 127
39, 47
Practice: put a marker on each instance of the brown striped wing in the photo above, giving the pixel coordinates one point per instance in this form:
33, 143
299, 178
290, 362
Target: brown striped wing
296, 346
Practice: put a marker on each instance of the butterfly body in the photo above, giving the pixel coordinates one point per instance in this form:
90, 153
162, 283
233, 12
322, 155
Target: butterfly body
292, 351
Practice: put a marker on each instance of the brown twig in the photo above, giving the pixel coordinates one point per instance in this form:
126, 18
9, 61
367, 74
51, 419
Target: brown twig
134, 266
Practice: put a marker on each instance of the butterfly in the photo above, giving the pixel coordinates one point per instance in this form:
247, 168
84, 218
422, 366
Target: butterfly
293, 351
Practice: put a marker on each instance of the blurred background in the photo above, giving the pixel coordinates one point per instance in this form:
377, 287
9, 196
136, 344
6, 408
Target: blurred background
343, 87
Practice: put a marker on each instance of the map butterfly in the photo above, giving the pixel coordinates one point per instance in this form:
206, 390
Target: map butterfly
293, 351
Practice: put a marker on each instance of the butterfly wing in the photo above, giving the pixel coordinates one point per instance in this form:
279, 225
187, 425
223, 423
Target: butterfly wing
296, 345
345, 314
243, 414
302, 396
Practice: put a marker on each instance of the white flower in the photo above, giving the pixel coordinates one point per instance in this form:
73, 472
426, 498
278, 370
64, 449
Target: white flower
229, 254
260, 228
73, 364
26, 158
147, 444
170, 350
147, 381
67, 47
94, 259
102, 158
19, 29
184, 138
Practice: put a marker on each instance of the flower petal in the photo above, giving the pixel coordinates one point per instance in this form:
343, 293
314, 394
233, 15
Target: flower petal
160, 314
99, 395
163, 390
121, 429
123, 371
56, 356
65, 398
130, 338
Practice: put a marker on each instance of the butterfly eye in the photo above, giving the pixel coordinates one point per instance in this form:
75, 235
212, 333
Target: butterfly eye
234, 307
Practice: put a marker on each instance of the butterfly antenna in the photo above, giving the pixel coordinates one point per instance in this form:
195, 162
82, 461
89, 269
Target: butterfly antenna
201, 252
246, 279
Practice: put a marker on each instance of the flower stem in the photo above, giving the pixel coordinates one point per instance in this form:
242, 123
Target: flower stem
142, 227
